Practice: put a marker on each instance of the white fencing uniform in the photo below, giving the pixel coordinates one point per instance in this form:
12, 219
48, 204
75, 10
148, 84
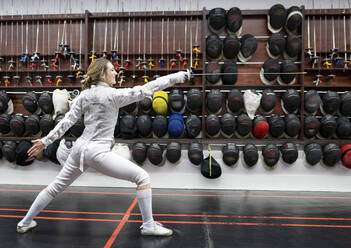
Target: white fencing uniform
99, 105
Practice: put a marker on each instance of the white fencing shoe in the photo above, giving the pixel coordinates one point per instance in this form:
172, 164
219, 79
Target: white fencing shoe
25, 228
156, 229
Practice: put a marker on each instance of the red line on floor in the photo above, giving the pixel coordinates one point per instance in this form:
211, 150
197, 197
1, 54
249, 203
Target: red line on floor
185, 215
121, 224
65, 212
246, 224
116, 232
198, 195
62, 218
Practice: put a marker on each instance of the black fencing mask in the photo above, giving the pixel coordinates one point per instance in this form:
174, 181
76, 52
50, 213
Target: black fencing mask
155, 154
9, 150
213, 72
311, 126
173, 152
292, 125
160, 125
287, 72
30, 102
213, 125
268, 101
234, 20
289, 152
128, 127
144, 125
216, 20
276, 45
270, 71
235, 101
45, 102
228, 124
46, 124
17, 125
244, 125
291, 101
32, 124
195, 153
250, 154
312, 101
214, 46
176, 100
330, 102
5, 123
229, 70
139, 150
214, 101
276, 125
271, 155
231, 46
331, 154
193, 126
230, 154
194, 100
248, 47
276, 18
313, 153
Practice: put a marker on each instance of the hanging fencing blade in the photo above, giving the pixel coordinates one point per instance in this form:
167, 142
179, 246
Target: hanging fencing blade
35, 57
308, 49
173, 61
315, 58
319, 76
162, 60
79, 73
104, 52
150, 61
16, 78
11, 62
43, 62
326, 60
127, 60
134, 76
185, 59
92, 52
139, 59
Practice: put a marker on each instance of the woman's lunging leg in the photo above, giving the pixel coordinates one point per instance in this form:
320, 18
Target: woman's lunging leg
144, 196
66, 176
109, 163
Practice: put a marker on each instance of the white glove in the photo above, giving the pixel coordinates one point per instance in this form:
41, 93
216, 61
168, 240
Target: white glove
252, 102
179, 77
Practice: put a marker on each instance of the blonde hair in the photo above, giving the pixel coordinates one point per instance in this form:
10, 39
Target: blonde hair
96, 70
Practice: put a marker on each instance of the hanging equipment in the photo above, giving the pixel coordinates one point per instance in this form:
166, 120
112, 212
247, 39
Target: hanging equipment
127, 60
173, 61
185, 59
11, 61
92, 52
326, 60
319, 76
162, 60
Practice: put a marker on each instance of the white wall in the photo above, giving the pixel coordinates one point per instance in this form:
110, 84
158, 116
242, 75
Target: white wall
299, 176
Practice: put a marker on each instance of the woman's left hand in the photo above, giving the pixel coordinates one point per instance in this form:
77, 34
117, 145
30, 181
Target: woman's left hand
37, 147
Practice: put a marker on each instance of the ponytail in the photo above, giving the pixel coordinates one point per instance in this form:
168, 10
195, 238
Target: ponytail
96, 70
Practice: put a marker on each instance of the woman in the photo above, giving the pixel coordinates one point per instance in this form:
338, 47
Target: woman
99, 103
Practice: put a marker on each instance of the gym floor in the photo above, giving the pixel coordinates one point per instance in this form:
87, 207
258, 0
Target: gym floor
110, 217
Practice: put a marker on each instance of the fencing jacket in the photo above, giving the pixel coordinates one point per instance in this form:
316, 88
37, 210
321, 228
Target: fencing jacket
99, 105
